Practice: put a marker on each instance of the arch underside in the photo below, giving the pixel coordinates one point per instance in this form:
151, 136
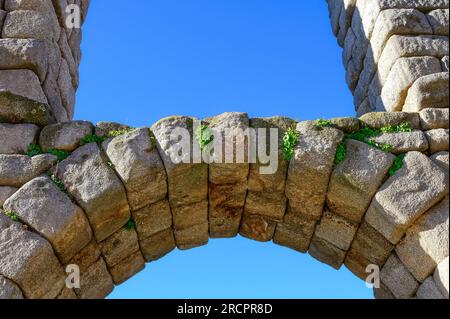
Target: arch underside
355, 192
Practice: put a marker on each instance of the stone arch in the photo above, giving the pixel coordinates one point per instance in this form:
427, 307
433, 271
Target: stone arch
354, 191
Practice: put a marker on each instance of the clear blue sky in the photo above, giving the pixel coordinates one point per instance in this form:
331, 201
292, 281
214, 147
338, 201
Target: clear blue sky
147, 59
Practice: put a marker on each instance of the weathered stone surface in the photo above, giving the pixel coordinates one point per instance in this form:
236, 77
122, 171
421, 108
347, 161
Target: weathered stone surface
17, 170
428, 91
438, 140
227, 172
41, 205
401, 77
442, 160
152, 219
158, 245
257, 227
326, 252
96, 188
345, 19
120, 245
9, 290
95, 282
5, 193
28, 24
382, 293
379, 120
429, 290
433, 118
2, 16
439, 21
403, 142
104, 128
397, 279
127, 268
187, 179
426, 242
136, 160
441, 277
16, 137
414, 189
445, 63
355, 181
28, 260
66, 88
270, 205
294, 233
22, 99
336, 230
346, 124
310, 169
368, 247
64, 136
67, 294
86, 257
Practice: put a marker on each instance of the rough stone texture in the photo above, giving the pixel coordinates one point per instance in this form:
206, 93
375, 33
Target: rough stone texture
17, 170
95, 282
383, 293
442, 160
432, 118
310, 169
103, 198
426, 242
398, 279
127, 268
429, 290
378, 120
64, 136
439, 21
326, 252
404, 142
158, 245
355, 181
336, 230
152, 219
119, 246
86, 257
257, 227
104, 128
136, 160
42, 206
428, 91
16, 138
438, 140
28, 260
294, 232
5, 193
9, 290
414, 189
441, 277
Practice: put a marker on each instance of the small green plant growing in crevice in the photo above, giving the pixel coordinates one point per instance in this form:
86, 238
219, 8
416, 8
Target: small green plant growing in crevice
398, 164
203, 136
130, 225
61, 155
110, 164
290, 140
341, 153
33, 150
115, 133
323, 123
92, 138
401, 128
13, 216
59, 183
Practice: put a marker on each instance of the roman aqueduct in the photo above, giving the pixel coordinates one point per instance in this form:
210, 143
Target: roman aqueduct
354, 192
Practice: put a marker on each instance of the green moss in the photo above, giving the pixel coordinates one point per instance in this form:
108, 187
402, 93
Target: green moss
323, 123
203, 136
341, 153
13, 216
115, 133
61, 155
130, 225
33, 150
92, 138
290, 140
110, 164
398, 164
59, 183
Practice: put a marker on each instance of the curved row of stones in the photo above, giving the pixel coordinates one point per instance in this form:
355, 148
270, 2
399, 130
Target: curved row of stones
395, 52
78, 210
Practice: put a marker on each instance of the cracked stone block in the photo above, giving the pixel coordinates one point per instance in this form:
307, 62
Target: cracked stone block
257, 227
403, 142
158, 245
396, 277
127, 268
326, 252
355, 180
22, 99
96, 188
294, 233
440, 277
336, 230
369, 247
152, 219
16, 137
95, 282
192, 237
439, 21
401, 77
17, 170
438, 140
429, 91
41, 205
28, 260
433, 118
136, 160
119, 246
404, 197
228, 172
64, 136
425, 244
5, 193
429, 290
378, 120
9, 290
310, 168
